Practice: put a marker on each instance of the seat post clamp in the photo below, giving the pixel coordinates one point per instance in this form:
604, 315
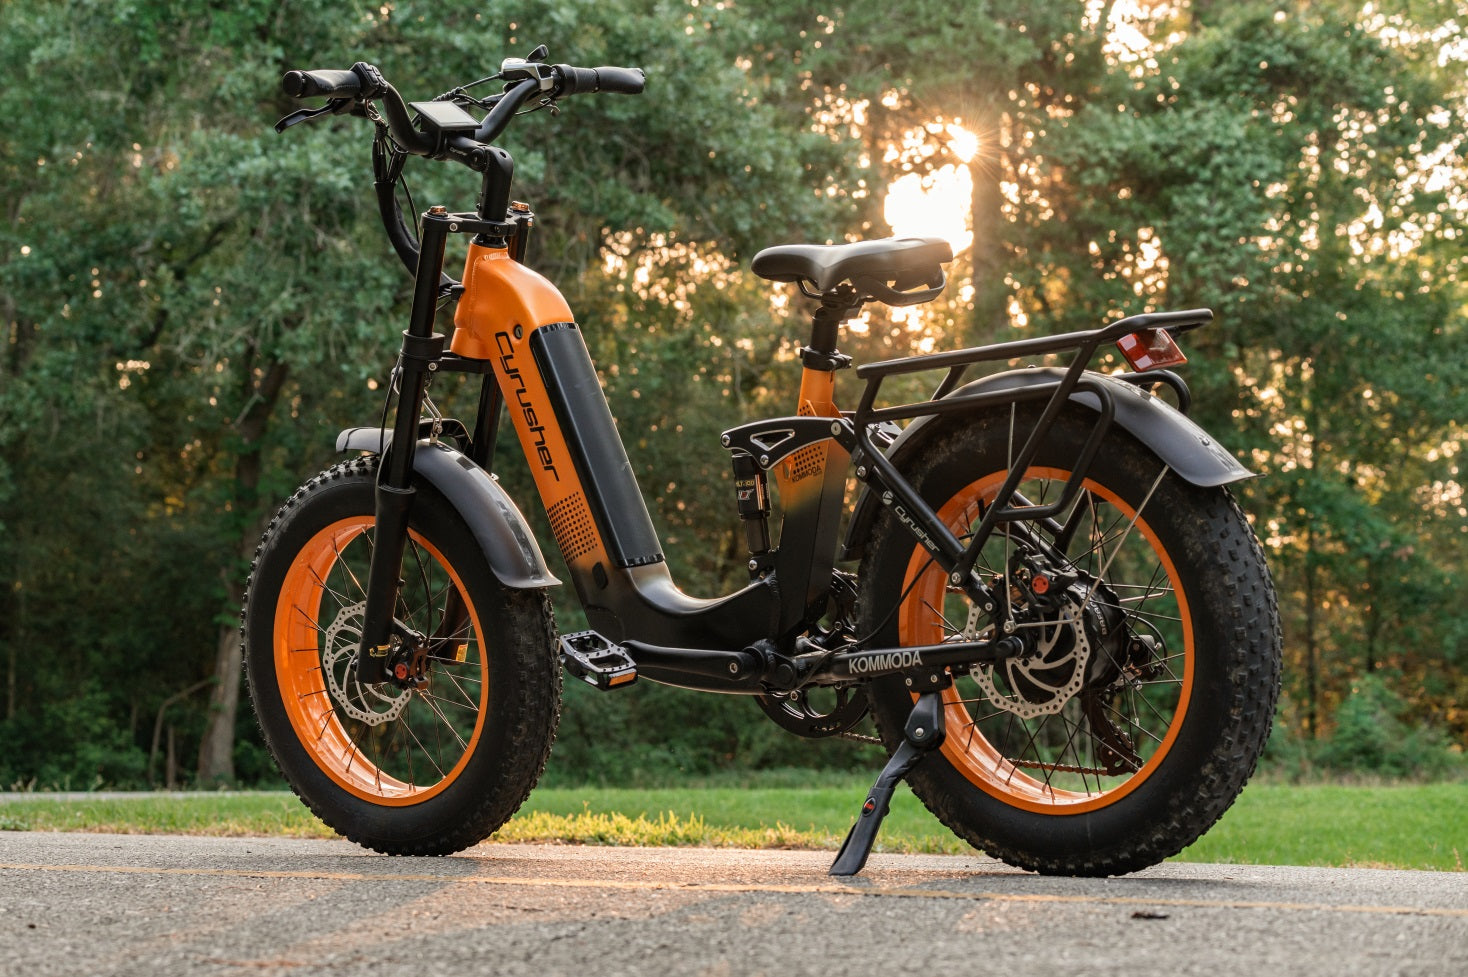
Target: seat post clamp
814, 359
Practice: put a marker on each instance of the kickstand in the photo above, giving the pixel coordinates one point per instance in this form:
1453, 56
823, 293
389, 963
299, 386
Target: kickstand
923, 734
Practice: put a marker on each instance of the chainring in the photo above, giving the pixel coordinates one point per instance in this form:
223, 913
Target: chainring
834, 710
341, 641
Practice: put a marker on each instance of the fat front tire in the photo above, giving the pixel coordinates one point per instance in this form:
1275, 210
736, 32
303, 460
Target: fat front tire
429, 766
1152, 659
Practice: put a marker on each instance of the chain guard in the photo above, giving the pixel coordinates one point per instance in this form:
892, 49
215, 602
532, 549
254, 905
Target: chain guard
794, 711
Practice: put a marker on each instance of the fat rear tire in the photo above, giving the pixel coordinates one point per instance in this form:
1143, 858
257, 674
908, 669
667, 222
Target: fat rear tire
995, 782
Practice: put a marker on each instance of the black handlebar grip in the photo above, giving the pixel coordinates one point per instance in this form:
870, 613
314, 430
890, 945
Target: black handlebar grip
576, 81
621, 81
583, 81
325, 81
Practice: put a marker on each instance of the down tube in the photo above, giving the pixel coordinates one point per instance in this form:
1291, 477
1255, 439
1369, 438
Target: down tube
503, 304
519, 320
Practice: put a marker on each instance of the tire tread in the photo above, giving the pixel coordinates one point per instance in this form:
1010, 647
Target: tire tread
1200, 796
523, 617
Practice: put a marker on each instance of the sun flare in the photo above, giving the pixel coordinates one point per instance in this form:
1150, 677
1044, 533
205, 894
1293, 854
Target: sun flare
936, 203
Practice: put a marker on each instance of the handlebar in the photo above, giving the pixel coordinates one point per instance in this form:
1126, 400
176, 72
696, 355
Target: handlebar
363, 83
443, 136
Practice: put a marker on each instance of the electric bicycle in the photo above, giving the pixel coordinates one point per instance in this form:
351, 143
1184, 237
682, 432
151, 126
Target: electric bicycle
1044, 594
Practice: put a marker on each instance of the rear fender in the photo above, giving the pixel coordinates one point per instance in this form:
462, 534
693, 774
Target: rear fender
1170, 434
500, 530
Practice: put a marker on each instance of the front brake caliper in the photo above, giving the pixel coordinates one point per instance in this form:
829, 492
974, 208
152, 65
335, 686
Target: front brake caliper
408, 667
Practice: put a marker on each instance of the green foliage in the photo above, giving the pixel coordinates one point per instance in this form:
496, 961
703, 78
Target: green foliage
1373, 734
97, 752
1370, 736
191, 305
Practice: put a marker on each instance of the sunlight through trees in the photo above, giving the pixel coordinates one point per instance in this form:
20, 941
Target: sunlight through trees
192, 305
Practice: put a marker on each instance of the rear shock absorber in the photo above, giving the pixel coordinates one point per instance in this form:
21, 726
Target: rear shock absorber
753, 497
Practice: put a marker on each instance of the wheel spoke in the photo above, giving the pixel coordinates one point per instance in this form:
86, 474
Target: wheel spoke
1157, 714
423, 749
469, 700
428, 700
948, 625
471, 707
1135, 726
341, 562
341, 599
1026, 728
309, 621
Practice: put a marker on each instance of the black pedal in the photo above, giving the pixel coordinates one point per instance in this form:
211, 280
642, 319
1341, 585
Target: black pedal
597, 661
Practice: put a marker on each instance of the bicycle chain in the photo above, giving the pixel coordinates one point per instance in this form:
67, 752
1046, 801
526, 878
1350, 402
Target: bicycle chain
1058, 767
1030, 764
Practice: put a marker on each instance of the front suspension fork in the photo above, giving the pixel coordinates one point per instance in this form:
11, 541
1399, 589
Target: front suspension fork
417, 361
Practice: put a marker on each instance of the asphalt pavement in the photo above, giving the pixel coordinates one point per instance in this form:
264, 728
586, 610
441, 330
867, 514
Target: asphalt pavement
78, 904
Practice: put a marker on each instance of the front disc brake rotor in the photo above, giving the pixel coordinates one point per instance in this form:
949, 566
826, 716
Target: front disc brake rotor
364, 703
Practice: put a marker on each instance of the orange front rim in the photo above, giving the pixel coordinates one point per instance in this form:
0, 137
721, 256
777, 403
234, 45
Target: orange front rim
384, 744
1053, 763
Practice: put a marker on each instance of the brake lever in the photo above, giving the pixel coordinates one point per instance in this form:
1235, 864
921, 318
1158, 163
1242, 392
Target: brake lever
335, 106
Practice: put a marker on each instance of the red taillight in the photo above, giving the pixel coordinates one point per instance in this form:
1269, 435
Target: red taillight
1151, 349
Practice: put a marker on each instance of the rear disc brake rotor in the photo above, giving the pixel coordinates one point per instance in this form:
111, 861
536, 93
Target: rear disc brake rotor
1041, 683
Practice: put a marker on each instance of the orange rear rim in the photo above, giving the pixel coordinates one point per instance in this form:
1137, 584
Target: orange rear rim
1048, 764
383, 744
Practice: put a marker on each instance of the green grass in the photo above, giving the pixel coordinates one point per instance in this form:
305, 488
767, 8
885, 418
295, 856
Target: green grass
224, 815
1407, 826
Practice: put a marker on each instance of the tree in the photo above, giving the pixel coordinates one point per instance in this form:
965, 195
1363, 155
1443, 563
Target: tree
237, 300
192, 304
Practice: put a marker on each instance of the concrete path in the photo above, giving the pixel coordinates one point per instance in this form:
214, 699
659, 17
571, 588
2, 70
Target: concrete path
77, 904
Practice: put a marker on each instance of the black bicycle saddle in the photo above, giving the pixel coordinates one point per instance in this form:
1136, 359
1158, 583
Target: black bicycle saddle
906, 262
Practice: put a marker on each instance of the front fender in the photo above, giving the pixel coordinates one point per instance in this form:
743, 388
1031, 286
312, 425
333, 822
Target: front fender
1181, 444
500, 530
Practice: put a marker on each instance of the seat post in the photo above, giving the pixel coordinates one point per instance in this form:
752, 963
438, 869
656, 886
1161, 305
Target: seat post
837, 305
